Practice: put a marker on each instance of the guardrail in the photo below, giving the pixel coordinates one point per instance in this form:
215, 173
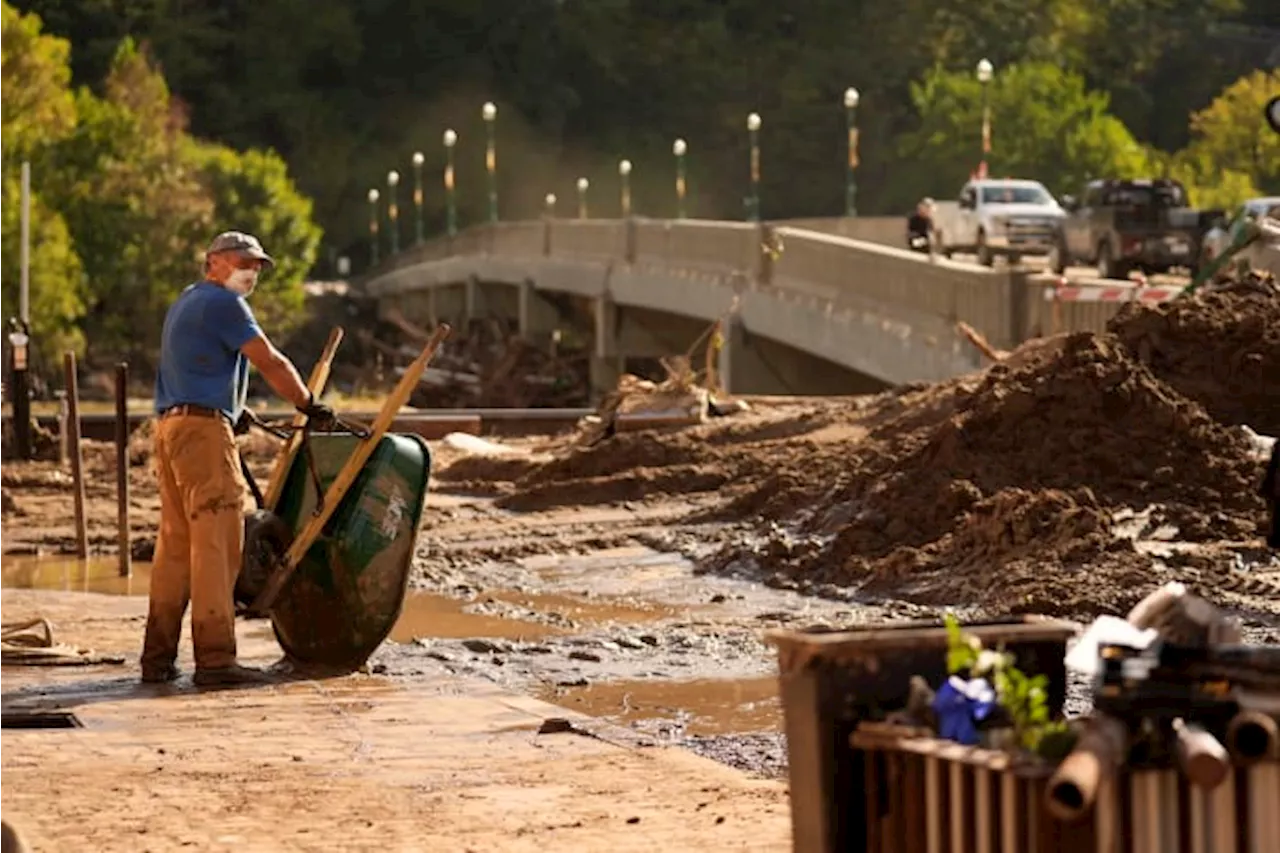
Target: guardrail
842, 273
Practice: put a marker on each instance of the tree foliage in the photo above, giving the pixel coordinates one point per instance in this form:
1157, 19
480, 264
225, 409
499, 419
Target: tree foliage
56, 286
253, 193
1227, 135
125, 199
36, 105
359, 85
1045, 126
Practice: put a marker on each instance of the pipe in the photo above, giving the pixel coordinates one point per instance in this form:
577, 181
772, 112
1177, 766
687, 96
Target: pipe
1203, 759
1253, 736
1073, 787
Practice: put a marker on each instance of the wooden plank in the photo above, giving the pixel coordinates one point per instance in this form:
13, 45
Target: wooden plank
315, 384
347, 475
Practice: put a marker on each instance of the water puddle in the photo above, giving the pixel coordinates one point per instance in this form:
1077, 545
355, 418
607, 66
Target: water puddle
70, 575
702, 707
442, 617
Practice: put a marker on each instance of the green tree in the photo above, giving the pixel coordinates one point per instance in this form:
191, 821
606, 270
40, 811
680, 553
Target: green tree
136, 208
1232, 135
36, 105
56, 293
1045, 126
252, 192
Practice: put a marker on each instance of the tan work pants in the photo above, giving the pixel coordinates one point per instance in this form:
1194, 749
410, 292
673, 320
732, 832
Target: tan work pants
201, 536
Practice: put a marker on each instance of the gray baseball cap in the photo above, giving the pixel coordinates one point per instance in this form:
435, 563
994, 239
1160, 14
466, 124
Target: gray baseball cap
238, 241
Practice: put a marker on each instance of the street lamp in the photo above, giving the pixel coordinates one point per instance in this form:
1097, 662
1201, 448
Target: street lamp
753, 201
450, 203
373, 227
624, 171
679, 148
985, 72
551, 205
418, 159
393, 181
490, 112
851, 99
583, 186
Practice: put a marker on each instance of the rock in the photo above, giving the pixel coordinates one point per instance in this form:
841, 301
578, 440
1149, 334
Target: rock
649, 639
480, 646
578, 654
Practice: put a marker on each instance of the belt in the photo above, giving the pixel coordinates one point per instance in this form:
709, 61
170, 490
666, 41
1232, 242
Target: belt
195, 411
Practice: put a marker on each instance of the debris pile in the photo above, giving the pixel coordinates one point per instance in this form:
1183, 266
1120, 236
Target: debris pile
1221, 349
1002, 488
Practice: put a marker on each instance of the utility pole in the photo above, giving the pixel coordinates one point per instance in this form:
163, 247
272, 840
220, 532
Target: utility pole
20, 330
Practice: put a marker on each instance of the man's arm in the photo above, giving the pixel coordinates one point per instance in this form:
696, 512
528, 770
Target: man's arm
276, 368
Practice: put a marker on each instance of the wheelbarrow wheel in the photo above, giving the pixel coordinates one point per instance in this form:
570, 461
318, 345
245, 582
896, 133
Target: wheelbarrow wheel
267, 537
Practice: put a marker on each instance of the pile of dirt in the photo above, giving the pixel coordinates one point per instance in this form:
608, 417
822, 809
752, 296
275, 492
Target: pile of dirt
998, 487
1221, 349
1001, 493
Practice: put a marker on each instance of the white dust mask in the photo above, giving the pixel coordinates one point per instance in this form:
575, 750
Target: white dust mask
242, 281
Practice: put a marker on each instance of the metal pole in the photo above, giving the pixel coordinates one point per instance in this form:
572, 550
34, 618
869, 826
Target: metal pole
77, 457
19, 370
753, 201
624, 172
122, 469
373, 227
393, 225
851, 126
680, 148
24, 253
490, 113
451, 210
583, 186
418, 159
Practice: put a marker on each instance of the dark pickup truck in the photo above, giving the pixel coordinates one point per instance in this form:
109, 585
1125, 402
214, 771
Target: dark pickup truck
1130, 225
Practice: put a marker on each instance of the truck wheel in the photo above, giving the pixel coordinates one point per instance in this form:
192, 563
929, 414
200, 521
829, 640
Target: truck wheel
1057, 258
1106, 263
984, 251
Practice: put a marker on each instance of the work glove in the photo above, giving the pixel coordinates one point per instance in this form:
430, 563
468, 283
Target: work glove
320, 417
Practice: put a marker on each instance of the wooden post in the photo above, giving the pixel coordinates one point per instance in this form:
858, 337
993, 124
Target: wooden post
73, 449
122, 468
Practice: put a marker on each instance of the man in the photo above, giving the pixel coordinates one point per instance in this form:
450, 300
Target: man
209, 339
920, 226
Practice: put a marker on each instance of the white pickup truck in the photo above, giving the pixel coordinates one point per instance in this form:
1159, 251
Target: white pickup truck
998, 217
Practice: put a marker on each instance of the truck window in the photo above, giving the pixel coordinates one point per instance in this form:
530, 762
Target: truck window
1014, 195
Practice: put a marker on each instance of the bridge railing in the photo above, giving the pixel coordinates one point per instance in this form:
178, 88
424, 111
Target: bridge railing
848, 272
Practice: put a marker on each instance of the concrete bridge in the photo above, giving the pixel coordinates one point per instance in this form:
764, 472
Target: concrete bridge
804, 309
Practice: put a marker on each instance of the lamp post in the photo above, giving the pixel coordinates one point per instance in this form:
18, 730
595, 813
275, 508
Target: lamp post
490, 112
985, 72
373, 227
583, 186
679, 148
851, 98
551, 205
393, 181
418, 159
450, 202
753, 200
624, 172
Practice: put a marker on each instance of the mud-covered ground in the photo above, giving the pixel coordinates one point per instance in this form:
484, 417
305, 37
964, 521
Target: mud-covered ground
636, 577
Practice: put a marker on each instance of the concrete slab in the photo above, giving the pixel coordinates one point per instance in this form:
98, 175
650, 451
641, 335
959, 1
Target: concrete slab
360, 762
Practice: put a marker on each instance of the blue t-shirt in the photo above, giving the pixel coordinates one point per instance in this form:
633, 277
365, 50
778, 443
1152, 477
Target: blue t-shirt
200, 359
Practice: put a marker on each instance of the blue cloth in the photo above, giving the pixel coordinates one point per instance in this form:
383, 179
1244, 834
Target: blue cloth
200, 359
961, 704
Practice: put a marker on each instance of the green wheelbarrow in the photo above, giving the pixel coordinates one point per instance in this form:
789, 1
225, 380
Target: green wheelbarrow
327, 556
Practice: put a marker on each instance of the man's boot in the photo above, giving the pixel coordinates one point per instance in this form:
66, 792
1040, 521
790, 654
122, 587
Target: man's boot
231, 675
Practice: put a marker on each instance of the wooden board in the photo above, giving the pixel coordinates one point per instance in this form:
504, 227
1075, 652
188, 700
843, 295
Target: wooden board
315, 384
